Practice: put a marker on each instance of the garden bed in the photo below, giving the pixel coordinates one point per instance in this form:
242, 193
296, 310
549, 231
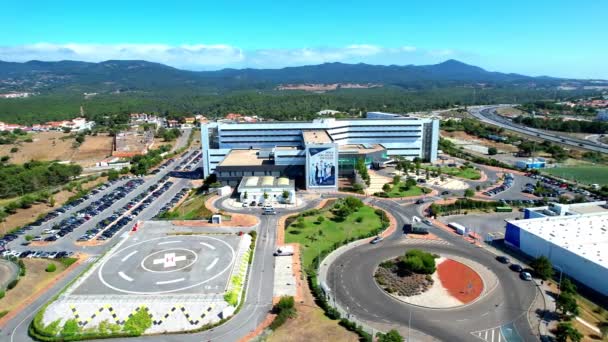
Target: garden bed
394, 280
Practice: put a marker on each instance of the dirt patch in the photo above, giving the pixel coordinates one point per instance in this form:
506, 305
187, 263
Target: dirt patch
93, 149
461, 281
485, 142
35, 282
311, 324
236, 220
45, 146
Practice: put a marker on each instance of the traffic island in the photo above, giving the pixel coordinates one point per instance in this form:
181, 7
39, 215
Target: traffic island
448, 283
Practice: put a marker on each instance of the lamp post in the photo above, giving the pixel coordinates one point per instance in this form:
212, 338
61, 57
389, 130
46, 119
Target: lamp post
409, 327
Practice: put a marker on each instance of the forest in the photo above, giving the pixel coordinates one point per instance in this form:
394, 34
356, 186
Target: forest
17, 180
573, 126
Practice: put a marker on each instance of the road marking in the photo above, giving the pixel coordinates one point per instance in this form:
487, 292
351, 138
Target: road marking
168, 242
485, 314
128, 256
169, 281
207, 245
124, 276
212, 264
492, 335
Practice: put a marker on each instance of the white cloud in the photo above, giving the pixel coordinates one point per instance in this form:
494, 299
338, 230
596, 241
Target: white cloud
203, 56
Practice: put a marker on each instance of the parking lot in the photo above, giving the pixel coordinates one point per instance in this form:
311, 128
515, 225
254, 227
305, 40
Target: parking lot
483, 224
98, 216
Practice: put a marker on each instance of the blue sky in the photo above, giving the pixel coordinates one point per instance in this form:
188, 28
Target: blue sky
538, 37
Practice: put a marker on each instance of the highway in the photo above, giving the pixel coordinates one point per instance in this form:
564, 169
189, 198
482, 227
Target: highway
488, 115
351, 278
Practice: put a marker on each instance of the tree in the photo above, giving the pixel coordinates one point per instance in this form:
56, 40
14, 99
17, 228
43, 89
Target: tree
113, 175
542, 267
418, 261
386, 188
565, 331
265, 195
469, 193
320, 219
427, 173
410, 182
492, 151
29, 237
51, 268
285, 195
245, 195
567, 286
566, 303
396, 179
391, 336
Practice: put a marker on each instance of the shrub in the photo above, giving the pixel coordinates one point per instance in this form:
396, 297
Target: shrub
67, 261
139, 322
70, 328
12, 284
51, 268
320, 219
418, 261
2, 294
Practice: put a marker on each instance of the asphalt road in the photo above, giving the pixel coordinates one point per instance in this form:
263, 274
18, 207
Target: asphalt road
351, 277
488, 114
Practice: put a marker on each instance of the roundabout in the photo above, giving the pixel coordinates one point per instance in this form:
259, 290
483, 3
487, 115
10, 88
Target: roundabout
353, 288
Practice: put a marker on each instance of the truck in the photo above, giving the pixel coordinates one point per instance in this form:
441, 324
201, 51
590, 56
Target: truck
283, 251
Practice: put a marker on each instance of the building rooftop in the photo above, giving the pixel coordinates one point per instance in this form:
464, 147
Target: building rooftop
243, 157
268, 182
585, 235
316, 137
360, 148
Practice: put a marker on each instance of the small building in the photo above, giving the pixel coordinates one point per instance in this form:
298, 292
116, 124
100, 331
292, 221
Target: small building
255, 189
532, 163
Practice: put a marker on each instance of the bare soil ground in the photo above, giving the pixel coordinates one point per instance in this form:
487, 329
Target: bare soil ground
92, 150
59, 146
35, 279
25, 216
311, 324
508, 111
484, 142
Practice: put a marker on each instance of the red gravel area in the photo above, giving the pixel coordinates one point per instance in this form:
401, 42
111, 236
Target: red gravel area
456, 277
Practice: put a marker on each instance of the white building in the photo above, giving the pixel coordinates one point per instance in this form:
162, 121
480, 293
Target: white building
254, 189
574, 237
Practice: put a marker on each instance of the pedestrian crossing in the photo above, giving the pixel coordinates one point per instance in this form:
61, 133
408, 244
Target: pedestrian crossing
490, 335
415, 241
91, 259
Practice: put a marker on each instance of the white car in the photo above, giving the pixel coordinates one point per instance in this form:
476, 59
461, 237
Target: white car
245, 205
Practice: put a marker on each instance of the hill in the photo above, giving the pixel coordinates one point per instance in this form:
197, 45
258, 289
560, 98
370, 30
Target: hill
123, 76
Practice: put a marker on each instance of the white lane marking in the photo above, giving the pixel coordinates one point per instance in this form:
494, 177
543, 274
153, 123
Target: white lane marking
124, 276
128, 256
485, 313
212, 265
485, 337
492, 335
168, 242
498, 335
207, 245
169, 281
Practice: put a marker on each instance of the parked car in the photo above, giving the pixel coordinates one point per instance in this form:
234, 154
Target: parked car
503, 259
516, 268
525, 276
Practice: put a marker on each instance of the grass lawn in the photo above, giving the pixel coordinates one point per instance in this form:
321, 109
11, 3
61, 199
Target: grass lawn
400, 190
466, 173
315, 237
193, 208
35, 279
582, 174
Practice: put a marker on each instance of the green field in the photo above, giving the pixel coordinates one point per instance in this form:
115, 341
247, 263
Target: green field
315, 237
582, 174
466, 172
400, 190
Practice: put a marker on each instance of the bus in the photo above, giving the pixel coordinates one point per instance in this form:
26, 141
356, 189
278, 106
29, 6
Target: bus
460, 229
504, 209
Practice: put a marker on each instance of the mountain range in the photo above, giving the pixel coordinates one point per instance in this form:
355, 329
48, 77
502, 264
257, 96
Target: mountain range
125, 75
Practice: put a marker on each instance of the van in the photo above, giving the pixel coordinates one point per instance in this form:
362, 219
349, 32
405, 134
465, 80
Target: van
269, 211
283, 251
